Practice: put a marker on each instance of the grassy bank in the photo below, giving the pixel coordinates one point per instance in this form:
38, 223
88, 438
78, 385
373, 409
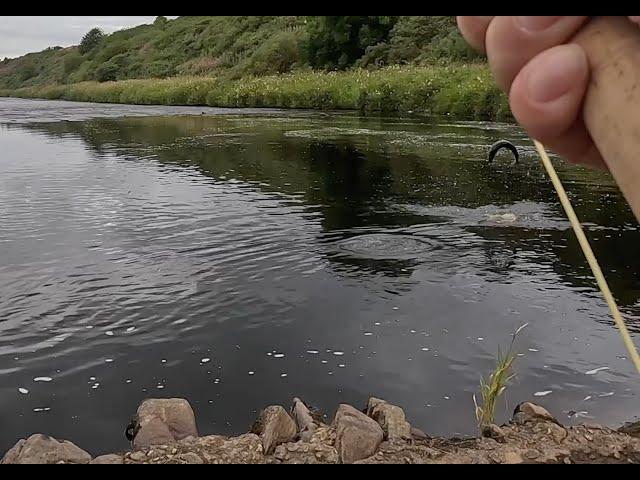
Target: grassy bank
463, 92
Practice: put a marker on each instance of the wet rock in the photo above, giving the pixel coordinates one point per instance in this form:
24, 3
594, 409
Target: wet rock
275, 426
632, 429
391, 418
357, 436
529, 411
108, 460
41, 449
164, 421
418, 434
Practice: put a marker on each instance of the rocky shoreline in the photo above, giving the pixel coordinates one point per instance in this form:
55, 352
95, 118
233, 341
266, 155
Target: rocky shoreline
165, 432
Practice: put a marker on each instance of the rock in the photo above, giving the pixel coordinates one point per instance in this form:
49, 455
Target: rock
503, 217
164, 421
246, 449
632, 429
304, 453
108, 460
189, 459
275, 426
154, 432
391, 418
41, 449
281, 453
373, 403
11, 457
138, 457
512, 458
531, 411
357, 436
418, 434
494, 432
304, 420
557, 432
531, 454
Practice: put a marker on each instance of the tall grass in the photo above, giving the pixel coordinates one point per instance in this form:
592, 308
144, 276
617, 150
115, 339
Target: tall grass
492, 388
462, 91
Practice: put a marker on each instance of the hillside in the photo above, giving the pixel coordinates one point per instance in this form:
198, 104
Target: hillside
240, 46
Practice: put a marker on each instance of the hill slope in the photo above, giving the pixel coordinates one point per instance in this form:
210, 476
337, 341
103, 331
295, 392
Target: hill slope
241, 45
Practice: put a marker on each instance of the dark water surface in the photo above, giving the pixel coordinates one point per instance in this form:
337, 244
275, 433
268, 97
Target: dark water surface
240, 258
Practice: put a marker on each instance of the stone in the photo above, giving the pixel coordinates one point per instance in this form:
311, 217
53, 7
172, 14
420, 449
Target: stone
373, 403
11, 457
532, 411
357, 436
164, 421
391, 418
304, 420
275, 427
42, 449
324, 434
154, 432
418, 434
512, 458
531, 454
137, 457
494, 432
189, 459
632, 429
108, 460
246, 449
281, 453
557, 432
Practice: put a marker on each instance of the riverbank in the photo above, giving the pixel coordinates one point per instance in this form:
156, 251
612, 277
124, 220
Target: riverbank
463, 92
165, 432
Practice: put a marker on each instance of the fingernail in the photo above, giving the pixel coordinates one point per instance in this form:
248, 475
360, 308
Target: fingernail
554, 75
536, 24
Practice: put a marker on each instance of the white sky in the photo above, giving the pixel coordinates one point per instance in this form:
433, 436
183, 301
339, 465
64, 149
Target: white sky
20, 35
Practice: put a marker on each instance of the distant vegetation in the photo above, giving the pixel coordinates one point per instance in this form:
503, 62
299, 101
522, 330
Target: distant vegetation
268, 60
461, 92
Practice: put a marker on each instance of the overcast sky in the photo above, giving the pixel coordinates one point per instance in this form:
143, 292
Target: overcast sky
20, 35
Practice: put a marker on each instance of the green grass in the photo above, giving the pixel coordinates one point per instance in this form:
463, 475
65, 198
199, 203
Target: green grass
461, 91
492, 388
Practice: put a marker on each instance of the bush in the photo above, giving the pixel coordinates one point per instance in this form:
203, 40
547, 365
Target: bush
278, 55
107, 72
112, 70
72, 61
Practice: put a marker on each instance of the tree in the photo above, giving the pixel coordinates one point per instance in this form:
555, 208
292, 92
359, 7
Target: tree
338, 41
160, 22
91, 40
